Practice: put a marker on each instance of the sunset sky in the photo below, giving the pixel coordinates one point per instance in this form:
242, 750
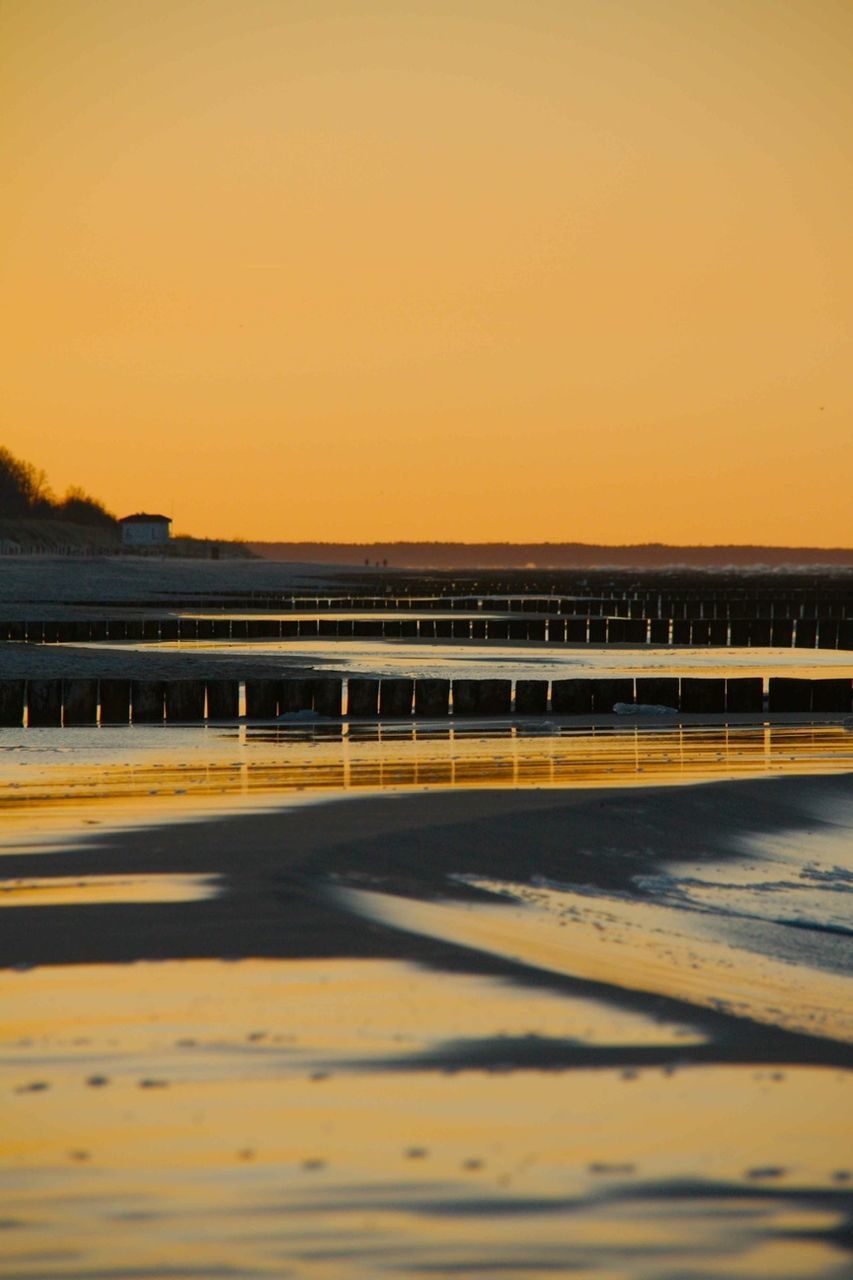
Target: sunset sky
504, 269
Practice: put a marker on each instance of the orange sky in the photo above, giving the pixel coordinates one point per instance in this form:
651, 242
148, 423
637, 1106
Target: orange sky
496, 269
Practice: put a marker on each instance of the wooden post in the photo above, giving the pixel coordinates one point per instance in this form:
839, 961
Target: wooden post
636, 631
185, 701
147, 701
395, 697
223, 699
745, 693
12, 703
362, 698
571, 697
44, 703
615, 630
465, 697
115, 701
759, 633
531, 697
79, 702
432, 697
262, 699
782, 633
790, 695
805, 636
703, 695
831, 695
295, 695
328, 694
606, 693
494, 697
658, 691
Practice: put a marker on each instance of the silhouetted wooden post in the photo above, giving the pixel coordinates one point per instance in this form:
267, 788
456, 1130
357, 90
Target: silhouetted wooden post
362, 698
295, 695
12, 703
185, 701
395, 697
79, 702
606, 693
44, 703
745, 693
789, 695
703, 694
465, 701
658, 691
432, 697
831, 695
494, 697
262, 699
115, 701
571, 697
328, 695
223, 699
147, 701
531, 697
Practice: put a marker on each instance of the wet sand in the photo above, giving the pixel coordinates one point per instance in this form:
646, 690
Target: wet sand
593, 1030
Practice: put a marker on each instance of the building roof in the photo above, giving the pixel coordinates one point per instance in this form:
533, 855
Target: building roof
142, 517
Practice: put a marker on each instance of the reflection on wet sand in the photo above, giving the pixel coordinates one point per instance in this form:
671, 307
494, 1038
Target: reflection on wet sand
53, 891
178, 767
242, 1081
487, 1031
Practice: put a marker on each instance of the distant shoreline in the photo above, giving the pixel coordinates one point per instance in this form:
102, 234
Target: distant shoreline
550, 555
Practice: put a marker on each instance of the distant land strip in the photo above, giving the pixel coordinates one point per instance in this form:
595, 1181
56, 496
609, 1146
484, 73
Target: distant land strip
547, 555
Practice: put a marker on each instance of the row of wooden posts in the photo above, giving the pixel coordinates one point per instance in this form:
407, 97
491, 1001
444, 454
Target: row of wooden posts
54, 703
644, 605
782, 633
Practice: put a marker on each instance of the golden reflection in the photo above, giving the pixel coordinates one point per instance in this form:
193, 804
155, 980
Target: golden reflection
59, 891
277, 761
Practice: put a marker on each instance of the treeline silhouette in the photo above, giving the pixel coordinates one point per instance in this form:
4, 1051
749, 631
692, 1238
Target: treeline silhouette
26, 495
546, 555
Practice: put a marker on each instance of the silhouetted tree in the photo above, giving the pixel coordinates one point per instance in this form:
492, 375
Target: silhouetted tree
24, 492
23, 488
79, 507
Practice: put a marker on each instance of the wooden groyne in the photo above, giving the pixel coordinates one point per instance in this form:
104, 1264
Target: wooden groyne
91, 702
779, 633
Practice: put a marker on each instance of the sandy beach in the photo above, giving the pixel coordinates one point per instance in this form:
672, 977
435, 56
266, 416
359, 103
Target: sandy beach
470, 1031
337, 998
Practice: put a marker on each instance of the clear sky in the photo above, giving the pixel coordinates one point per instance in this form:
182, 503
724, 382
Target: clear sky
475, 269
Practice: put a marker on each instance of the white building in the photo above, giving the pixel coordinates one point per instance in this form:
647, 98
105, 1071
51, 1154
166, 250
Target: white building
144, 530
